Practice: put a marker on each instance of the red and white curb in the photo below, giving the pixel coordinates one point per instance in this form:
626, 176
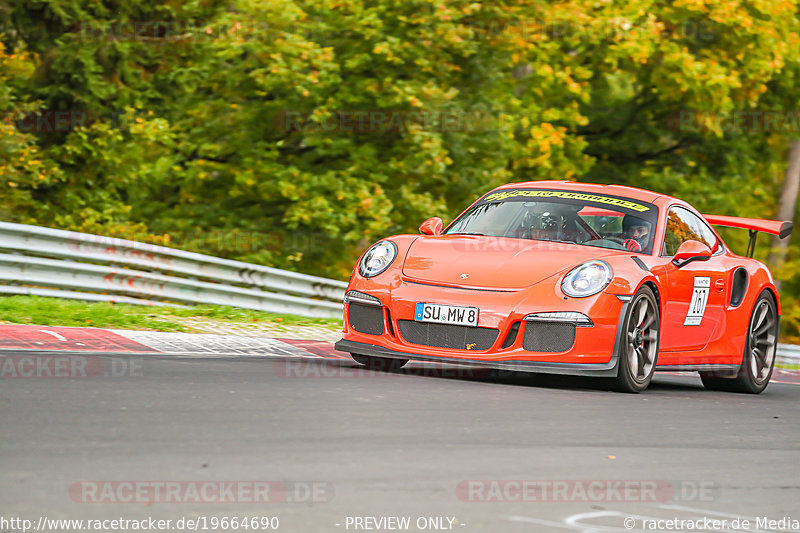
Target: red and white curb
16, 340
87, 341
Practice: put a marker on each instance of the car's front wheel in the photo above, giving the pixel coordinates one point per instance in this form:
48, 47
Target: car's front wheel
638, 350
759, 352
386, 364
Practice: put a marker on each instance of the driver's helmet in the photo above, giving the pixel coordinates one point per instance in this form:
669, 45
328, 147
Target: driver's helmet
637, 230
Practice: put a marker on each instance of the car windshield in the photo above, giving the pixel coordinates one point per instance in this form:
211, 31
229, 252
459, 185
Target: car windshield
562, 216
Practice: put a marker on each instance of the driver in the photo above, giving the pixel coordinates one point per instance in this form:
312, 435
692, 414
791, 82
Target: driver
636, 233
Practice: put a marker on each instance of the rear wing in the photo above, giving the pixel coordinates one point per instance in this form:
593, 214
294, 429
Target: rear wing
754, 225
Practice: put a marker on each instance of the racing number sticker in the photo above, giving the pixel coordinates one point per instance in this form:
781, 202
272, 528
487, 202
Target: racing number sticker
697, 307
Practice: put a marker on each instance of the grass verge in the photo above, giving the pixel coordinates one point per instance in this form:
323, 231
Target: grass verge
61, 312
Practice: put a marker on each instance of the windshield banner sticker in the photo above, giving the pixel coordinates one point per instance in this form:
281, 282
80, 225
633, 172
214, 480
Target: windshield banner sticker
697, 307
564, 195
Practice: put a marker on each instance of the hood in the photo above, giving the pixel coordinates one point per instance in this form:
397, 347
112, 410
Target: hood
492, 262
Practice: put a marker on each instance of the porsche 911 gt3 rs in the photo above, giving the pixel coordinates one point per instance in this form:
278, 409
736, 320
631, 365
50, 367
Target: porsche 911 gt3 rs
570, 278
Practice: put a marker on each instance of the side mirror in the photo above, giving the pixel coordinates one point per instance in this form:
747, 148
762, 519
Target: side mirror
691, 251
432, 226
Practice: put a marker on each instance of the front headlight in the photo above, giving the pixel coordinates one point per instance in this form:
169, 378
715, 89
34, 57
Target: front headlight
587, 279
377, 258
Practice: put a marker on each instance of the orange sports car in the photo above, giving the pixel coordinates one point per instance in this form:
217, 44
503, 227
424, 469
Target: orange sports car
570, 278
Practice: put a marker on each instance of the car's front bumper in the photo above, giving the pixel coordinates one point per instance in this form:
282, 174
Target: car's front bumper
592, 351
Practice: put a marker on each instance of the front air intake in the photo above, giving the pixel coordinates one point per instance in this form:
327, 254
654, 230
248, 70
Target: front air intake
447, 335
365, 313
551, 337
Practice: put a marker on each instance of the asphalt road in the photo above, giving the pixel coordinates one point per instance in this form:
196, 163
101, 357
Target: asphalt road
350, 444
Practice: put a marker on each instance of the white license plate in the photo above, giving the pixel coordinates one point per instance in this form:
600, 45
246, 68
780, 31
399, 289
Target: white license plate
446, 314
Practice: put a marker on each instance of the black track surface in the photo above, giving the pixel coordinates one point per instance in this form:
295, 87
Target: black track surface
394, 444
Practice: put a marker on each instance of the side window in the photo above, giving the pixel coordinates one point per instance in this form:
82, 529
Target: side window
682, 226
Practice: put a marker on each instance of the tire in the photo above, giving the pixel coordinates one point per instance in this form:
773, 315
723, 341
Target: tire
385, 364
758, 360
638, 351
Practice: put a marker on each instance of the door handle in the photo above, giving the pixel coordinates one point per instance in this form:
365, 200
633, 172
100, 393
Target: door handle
720, 285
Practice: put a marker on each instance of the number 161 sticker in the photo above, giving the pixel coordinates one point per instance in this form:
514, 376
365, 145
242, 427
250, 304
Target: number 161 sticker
697, 307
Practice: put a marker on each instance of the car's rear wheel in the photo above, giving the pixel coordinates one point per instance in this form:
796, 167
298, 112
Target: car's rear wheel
386, 364
758, 360
638, 350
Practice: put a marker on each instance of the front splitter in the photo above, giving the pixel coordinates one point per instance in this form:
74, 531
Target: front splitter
575, 369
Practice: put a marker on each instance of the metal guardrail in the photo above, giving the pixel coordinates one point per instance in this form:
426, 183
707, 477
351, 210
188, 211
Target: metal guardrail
788, 354
66, 264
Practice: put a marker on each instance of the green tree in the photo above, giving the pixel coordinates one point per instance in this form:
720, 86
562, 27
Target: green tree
295, 132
